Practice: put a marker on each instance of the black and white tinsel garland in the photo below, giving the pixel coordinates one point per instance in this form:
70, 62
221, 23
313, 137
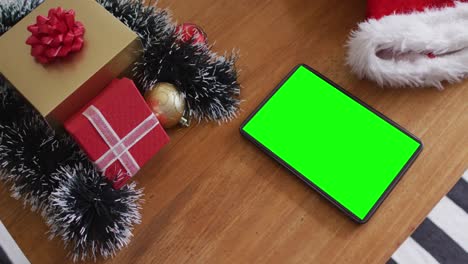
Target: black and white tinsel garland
86, 211
208, 81
51, 174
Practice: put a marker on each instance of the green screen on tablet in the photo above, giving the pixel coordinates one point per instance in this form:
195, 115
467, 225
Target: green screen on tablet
343, 148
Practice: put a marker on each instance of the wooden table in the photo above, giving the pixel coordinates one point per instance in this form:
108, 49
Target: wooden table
212, 197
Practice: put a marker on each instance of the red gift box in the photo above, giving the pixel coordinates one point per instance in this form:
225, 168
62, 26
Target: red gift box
118, 131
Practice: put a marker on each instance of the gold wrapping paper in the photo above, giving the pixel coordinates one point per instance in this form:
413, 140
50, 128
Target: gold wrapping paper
60, 89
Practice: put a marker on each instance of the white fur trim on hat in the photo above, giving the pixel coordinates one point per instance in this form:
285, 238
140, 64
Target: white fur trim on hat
393, 50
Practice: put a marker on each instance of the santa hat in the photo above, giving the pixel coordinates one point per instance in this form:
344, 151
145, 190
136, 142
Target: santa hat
411, 43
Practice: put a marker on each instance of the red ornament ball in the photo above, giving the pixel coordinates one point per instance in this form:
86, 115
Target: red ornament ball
191, 33
55, 36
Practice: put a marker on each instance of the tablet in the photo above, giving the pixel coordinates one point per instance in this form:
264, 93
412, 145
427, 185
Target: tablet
341, 147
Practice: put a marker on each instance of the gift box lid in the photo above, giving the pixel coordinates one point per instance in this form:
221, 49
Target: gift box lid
124, 109
109, 49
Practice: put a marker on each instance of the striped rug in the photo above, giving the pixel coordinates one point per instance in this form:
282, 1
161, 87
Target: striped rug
10, 253
443, 236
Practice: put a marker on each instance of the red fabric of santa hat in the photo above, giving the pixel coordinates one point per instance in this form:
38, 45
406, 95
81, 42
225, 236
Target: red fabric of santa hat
415, 43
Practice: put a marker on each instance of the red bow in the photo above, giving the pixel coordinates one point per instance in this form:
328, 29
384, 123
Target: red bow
55, 36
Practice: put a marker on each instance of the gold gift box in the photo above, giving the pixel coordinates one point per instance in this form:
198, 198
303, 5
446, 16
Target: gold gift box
62, 88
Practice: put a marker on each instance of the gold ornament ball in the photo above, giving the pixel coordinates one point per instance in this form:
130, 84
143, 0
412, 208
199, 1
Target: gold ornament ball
166, 103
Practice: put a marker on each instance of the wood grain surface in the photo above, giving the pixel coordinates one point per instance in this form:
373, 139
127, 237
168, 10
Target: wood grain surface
213, 197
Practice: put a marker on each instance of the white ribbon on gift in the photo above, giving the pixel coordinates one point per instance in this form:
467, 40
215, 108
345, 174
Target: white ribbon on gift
119, 148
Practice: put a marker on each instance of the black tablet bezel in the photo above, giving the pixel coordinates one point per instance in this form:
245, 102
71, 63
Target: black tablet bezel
307, 181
